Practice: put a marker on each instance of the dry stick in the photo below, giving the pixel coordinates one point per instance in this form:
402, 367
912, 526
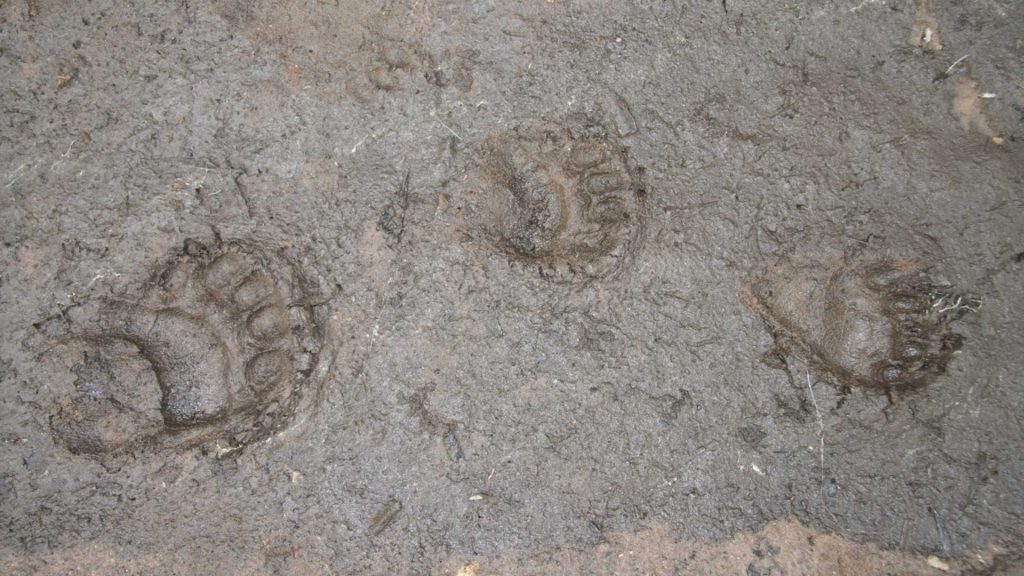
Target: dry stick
821, 434
953, 65
448, 128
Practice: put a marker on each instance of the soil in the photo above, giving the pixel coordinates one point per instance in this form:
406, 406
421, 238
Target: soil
412, 287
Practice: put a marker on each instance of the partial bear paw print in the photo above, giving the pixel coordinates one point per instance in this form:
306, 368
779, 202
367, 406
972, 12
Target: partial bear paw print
395, 65
224, 344
572, 207
873, 322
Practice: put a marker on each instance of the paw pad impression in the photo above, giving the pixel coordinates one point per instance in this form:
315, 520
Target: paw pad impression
223, 343
870, 322
572, 206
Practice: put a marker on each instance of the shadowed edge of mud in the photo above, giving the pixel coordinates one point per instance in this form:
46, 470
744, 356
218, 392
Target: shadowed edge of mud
784, 547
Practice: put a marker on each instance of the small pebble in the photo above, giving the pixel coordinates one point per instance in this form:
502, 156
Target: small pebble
938, 563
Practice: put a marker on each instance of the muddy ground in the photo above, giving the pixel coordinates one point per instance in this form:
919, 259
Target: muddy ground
469, 376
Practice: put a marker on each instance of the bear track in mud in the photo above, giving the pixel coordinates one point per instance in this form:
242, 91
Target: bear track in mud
395, 65
223, 344
878, 323
572, 207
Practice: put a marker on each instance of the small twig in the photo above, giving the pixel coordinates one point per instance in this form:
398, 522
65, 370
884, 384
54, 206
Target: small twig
446, 127
953, 65
821, 430
64, 156
16, 174
972, 305
244, 195
953, 306
863, 4
358, 144
375, 332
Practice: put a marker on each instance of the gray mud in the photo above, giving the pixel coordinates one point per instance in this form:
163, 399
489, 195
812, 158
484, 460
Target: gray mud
479, 402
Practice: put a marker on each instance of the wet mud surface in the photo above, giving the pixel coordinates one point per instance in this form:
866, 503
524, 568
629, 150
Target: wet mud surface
480, 288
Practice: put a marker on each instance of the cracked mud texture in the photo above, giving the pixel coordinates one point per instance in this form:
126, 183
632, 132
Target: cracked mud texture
474, 409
